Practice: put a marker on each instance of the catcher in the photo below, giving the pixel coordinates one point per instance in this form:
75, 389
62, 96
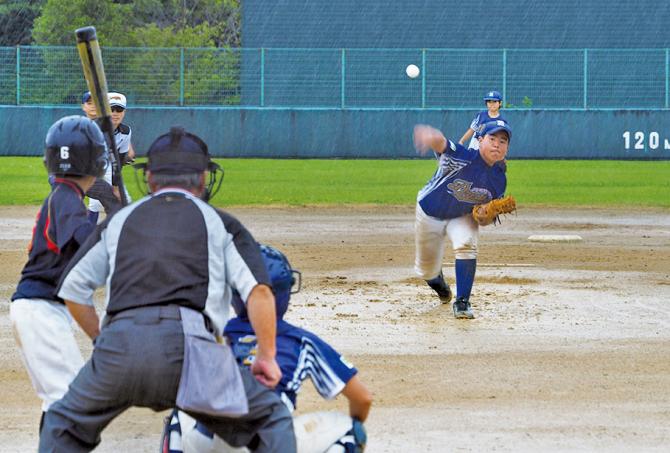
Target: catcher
301, 355
466, 191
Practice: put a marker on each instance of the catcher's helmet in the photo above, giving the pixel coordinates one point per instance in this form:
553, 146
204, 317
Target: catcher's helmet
493, 96
75, 146
180, 152
282, 277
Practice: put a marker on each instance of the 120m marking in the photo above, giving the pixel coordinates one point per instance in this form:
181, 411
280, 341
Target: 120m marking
637, 140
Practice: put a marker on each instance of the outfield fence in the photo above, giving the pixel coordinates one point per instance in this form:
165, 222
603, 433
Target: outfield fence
530, 79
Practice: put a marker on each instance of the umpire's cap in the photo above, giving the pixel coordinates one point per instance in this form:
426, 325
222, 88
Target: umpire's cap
493, 96
178, 152
495, 126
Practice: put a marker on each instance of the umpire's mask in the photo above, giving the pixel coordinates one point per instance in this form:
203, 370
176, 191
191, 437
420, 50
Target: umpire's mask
179, 152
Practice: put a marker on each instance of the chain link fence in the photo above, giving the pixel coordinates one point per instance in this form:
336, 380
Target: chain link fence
346, 78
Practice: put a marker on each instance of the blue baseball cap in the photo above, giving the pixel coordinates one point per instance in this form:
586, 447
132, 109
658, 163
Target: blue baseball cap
493, 96
495, 126
85, 97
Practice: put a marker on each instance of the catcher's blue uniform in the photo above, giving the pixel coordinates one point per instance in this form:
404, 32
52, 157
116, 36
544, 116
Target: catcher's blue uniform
461, 181
300, 355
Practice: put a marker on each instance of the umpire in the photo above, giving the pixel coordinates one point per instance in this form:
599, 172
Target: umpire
170, 263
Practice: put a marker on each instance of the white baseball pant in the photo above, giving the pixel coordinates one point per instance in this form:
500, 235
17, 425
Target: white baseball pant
43, 331
430, 233
315, 432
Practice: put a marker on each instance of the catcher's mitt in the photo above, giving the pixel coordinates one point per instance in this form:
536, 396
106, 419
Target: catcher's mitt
485, 214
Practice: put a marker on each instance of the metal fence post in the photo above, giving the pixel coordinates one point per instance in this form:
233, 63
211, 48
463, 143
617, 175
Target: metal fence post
504, 76
262, 77
667, 75
423, 78
586, 77
181, 76
343, 62
18, 75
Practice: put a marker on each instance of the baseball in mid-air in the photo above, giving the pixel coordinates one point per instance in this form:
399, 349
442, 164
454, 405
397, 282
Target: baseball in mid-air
412, 71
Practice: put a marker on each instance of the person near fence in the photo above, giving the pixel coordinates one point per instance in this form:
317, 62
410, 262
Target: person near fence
122, 138
493, 101
170, 263
75, 155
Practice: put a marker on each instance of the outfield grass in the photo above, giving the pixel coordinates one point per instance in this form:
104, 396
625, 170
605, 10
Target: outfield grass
395, 182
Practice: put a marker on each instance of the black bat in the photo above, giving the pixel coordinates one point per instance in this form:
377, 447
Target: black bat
94, 71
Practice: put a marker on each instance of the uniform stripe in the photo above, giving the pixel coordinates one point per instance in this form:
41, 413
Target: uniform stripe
218, 295
311, 363
448, 166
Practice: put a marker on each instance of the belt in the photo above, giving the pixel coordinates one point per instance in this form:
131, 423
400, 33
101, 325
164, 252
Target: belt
151, 314
146, 315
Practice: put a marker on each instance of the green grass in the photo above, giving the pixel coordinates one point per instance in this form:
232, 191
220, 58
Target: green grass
388, 182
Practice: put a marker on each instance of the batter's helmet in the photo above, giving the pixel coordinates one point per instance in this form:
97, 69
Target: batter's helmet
282, 276
75, 146
179, 152
493, 96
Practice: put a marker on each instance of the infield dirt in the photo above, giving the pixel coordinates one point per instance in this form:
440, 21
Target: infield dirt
569, 351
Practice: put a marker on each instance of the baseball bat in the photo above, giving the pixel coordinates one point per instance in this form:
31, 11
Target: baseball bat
94, 72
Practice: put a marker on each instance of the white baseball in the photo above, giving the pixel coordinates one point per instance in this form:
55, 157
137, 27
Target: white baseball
412, 71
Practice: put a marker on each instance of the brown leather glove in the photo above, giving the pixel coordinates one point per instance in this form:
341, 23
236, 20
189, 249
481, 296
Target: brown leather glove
486, 214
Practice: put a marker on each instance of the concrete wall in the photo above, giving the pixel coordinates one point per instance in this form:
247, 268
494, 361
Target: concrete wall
349, 133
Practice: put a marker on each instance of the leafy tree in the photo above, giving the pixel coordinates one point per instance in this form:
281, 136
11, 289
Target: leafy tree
60, 18
150, 75
16, 21
159, 23
220, 17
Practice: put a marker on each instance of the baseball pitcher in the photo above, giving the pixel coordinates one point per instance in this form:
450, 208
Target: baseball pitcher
459, 197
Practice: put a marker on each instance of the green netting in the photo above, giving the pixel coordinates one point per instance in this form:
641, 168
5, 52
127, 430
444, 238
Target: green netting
542, 79
7, 76
346, 78
460, 78
626, 77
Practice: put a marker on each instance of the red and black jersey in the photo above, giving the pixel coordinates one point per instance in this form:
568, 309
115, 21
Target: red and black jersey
61, 227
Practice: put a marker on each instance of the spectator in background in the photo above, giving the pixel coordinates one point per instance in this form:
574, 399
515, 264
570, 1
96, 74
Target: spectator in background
493, 100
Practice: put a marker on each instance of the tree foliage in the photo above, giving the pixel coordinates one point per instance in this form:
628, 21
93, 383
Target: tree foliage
60, 18
142, 23
16, 21
157, 74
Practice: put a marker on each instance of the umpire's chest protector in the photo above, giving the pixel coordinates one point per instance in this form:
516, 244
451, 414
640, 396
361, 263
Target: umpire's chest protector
161, 255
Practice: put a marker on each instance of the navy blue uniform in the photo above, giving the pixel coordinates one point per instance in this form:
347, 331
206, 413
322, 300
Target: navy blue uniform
465, 178
61, 227
39, 317
462, 180
479, 120
300, 355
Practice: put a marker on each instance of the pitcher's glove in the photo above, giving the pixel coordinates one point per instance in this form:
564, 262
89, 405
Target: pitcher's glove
486, 214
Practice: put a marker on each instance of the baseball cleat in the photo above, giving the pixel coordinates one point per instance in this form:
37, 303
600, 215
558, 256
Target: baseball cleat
462, 309
442, 288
